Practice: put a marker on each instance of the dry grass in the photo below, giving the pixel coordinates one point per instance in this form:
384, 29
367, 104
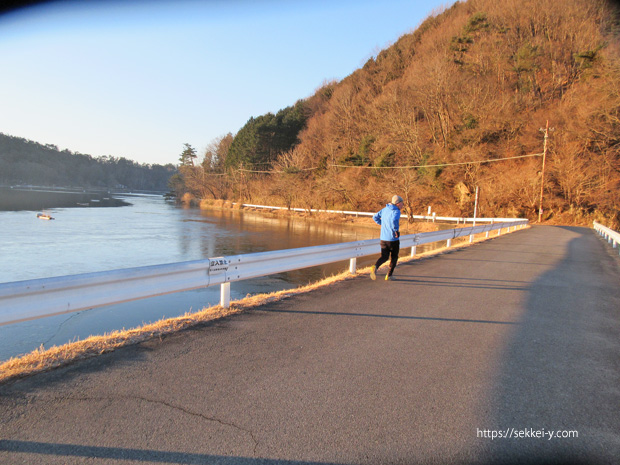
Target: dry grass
41, 359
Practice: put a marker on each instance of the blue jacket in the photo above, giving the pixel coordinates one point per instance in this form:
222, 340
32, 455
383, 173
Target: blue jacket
389, 219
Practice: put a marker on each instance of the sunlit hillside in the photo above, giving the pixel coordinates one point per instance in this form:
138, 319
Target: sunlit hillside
459, 103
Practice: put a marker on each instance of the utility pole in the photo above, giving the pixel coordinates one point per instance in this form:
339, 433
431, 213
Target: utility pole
476, 206
471, 236
542, 178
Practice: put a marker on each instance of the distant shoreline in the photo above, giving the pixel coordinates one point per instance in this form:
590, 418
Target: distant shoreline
37, 199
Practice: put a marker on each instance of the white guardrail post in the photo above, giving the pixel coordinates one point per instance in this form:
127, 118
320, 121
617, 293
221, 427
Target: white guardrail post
353, 265
613, 237
37, 298
225, 295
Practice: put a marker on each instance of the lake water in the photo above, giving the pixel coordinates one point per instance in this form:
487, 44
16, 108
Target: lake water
149, 232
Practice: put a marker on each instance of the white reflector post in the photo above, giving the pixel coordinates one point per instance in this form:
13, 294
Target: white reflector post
225, 295
353, 265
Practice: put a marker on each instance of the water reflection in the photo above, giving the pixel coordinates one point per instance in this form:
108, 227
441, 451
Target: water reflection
232, 232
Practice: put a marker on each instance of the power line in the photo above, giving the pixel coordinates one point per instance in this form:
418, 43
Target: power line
404, 167
440, 164
274, 171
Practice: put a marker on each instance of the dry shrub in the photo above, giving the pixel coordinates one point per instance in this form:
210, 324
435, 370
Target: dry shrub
206, 203
188, 198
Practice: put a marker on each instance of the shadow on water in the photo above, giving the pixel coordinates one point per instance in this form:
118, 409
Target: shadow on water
561, 371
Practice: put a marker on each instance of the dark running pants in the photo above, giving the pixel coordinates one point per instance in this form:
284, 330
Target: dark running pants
389, 249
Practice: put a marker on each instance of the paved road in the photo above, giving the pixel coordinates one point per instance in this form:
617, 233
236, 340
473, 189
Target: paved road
520, 334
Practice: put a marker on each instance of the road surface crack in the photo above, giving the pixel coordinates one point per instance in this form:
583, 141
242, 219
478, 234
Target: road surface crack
174, 407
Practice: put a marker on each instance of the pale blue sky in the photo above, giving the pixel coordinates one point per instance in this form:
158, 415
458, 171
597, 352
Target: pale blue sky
139, 79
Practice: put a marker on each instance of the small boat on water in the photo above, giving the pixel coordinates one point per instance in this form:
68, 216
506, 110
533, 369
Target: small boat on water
44, 216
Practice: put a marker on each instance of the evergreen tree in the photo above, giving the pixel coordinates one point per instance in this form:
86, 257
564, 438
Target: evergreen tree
188, 156
265, 137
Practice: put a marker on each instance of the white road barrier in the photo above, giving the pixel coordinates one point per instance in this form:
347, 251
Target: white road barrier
613, 237
37, 298
431, 217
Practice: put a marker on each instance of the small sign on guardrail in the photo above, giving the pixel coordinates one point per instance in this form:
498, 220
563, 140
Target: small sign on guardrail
218, 265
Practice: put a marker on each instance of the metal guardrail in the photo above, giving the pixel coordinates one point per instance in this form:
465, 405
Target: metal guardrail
432, 217
37, 298
613, 237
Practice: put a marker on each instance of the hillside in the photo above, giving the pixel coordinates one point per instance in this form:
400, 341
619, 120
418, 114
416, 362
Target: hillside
448, 108
26, 162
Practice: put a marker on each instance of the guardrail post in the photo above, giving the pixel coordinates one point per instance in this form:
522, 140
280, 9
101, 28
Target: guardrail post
414, 250
449, 243
352, 265
225, 295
